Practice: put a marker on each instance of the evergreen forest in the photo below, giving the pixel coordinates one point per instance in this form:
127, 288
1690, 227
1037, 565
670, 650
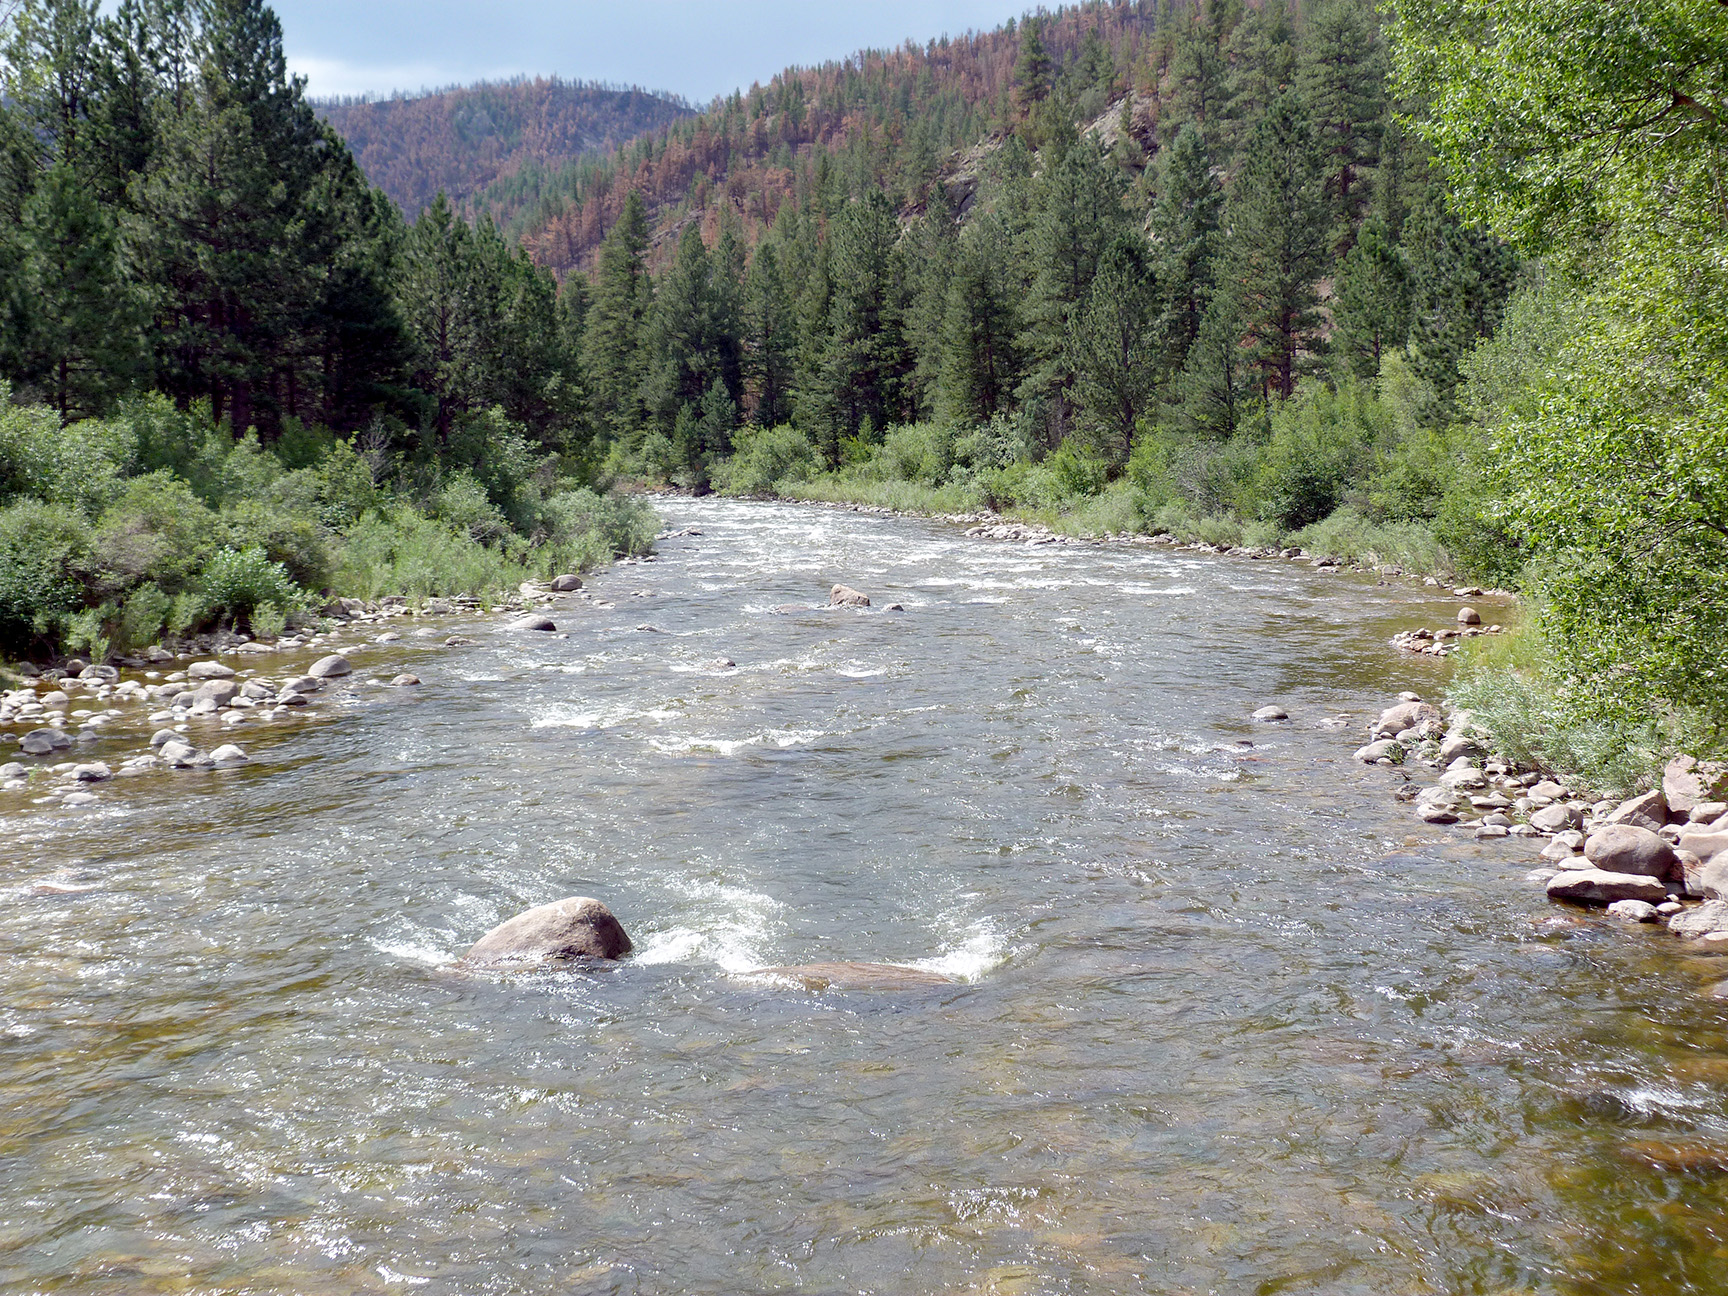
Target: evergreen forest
1431, 285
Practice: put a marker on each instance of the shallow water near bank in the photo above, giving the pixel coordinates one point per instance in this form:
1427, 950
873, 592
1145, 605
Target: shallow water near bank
1225, 1017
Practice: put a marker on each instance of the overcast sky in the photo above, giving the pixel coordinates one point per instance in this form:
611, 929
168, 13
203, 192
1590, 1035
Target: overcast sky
696, 48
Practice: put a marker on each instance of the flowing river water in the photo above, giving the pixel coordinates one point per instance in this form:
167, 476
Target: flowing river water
1226, 1017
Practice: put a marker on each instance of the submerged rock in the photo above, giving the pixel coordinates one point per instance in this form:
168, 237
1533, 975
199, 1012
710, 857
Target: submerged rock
846, 596
857, 976
42, 742
564, 931
1640, 911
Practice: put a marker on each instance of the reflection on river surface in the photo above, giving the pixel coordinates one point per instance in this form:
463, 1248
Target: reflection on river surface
1227, 1018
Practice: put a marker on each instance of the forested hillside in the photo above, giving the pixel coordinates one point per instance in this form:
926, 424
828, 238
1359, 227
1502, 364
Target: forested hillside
463, 140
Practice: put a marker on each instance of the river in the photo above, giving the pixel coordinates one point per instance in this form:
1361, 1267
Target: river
1226, 1017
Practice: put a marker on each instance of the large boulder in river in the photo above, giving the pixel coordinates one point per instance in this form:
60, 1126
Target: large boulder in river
545, 624
561, 932
1595, 886
330, 667
209, 670
846, 596
566, 584
1622, 848
219, 691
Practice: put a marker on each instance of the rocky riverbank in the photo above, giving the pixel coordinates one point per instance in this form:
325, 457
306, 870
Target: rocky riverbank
1658, 857
72, 726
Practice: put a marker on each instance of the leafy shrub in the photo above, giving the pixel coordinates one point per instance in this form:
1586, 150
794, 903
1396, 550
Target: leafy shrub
497, 453
142, 617
269, 621
621, 525
45, 554
915, 452
80, 466
289, 538
1322, 443
237, 580
463, 502
157, 530
764, 457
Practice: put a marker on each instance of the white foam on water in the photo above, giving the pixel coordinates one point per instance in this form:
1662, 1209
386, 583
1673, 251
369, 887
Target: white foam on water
984, 950
414, 952
731, 929
861, 672
700, 744
564, 716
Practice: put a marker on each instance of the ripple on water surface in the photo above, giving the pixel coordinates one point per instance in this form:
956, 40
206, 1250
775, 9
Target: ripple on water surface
1222, 1016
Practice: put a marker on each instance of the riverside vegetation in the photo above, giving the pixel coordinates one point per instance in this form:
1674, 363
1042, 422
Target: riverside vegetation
1436, 291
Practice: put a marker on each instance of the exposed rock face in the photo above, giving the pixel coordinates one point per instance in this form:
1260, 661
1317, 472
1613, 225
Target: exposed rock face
1621, 848
846, 596
209, 670
561, 932
857, 976
330, 667
566, 583
1595, 886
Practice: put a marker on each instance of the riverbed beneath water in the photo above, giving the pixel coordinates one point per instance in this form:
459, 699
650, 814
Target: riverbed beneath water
1225, 1017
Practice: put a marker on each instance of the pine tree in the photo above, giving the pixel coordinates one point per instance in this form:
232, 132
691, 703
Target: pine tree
680, 335
81, 346
977, 354
1261, 54
1114, 351
1459, 281
865, 363
223, 220
1031, 68
435, 296
1080, 212
1343, 82
770, 347
613, 350
1185, 225
1213, 388
1372, 305
1198, 68
1277, 227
